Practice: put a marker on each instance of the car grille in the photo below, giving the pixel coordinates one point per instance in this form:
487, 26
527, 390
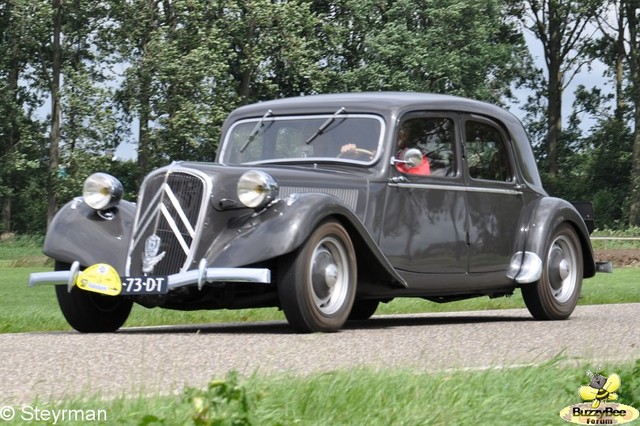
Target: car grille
169, 218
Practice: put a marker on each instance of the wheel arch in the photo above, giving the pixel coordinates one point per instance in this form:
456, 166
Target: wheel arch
547, 214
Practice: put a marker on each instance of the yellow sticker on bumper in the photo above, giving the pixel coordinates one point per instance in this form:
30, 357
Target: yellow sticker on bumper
100, 278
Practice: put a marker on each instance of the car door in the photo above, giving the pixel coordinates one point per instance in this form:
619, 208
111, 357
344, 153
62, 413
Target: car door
424, 228
494, 199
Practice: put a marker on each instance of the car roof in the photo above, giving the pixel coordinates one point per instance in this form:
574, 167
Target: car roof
380, 102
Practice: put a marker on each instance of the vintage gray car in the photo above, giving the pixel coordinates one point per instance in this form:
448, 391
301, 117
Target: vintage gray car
326, 206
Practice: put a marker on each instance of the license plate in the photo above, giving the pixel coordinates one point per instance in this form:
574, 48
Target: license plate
144, 285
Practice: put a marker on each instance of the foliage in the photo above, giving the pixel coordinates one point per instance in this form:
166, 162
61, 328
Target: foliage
164, 75
631, 379
466, 48
224, 402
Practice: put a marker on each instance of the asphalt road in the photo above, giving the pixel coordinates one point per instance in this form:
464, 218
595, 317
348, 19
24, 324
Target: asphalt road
164, 359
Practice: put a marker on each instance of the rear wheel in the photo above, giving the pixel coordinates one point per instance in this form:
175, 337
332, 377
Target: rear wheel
555, 295
317, 283
89, 312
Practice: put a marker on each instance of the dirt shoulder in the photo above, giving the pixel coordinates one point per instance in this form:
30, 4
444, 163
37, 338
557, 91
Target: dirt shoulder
619, 257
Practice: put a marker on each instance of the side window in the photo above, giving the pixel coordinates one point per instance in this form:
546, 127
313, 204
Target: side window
487, 157
434, 137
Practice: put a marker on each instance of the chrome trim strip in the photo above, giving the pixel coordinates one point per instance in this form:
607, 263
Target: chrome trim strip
146, 219
494, 190
455, 188
206, 196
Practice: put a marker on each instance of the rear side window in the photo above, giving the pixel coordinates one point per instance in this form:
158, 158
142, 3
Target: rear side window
487, 156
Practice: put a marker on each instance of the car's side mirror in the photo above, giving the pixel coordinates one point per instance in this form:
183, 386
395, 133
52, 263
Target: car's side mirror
411, 157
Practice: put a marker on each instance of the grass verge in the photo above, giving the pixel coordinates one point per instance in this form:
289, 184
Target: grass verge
524, 396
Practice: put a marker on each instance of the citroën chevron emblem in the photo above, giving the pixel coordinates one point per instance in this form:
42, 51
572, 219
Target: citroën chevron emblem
151, 256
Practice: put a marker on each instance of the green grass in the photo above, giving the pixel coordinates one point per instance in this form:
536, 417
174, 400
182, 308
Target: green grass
525, 396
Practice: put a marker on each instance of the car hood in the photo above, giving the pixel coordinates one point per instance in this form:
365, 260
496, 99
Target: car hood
344, 183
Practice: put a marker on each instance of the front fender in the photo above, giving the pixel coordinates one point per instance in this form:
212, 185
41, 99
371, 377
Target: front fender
547, 214
285, 225
77, 232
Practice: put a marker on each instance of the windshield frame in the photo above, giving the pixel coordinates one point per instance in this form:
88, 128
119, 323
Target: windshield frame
269, 120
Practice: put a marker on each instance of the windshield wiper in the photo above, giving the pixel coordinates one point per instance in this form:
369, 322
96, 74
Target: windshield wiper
324, 125
255, 130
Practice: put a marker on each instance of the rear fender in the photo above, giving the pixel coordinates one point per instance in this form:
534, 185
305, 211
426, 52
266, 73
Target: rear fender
77, 232
547, 214
285, 225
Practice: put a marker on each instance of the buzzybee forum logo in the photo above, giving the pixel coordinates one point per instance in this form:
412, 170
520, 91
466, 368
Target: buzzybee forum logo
598, 408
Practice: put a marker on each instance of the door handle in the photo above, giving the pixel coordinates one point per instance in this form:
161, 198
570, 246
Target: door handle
398, 179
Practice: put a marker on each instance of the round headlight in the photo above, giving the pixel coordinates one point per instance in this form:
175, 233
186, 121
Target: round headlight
256, 189
102, 191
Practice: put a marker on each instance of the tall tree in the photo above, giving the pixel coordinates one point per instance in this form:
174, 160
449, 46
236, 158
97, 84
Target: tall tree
10, 69
632, 8
56, 107
560, 26
18, 131
190, 63
616, 139
469, 48
136, 21
60, 41
612, 49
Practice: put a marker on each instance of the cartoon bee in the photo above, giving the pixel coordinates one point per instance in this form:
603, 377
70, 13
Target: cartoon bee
600, 389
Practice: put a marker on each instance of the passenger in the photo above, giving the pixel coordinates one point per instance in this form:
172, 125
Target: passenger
405, 144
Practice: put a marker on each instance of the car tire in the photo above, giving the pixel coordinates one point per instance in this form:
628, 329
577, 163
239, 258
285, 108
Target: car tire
555, 295
363, 309
89, 312
317, 282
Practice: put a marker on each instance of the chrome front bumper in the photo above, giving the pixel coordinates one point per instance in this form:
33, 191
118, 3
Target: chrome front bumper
199, 277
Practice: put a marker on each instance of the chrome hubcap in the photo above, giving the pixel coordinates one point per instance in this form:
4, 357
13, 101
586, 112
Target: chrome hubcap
561, 263
564, 269
329, 275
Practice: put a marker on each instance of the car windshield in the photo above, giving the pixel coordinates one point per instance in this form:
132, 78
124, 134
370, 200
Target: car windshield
344, 137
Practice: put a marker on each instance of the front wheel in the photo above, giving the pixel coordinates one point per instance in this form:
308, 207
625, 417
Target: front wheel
555, 295
89, 312
317, 283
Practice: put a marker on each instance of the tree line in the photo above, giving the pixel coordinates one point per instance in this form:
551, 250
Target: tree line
80, 77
